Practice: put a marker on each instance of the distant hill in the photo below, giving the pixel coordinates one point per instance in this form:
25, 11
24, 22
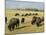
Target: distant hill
26, 9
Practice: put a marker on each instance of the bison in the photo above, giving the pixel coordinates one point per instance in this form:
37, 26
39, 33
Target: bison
22, 15
16, 14
33, 20
13, 22
22, 21
38, 21
26, 14
36, 13
5, 19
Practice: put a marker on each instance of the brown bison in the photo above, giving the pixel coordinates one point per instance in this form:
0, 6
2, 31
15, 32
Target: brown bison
36, 13
33, 20
37, 21
16, 14
22, 15
26, 14
13, 22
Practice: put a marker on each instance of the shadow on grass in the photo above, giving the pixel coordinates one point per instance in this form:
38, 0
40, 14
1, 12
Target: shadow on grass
21, 27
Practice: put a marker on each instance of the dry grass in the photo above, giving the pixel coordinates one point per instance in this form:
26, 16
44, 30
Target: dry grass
27, 27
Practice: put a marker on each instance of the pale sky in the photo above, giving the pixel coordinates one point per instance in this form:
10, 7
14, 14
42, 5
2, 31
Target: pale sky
23, 4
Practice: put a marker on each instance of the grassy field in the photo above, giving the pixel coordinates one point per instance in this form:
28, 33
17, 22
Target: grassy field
27, 27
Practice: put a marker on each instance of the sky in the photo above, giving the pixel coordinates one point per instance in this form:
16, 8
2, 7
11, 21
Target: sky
12, 4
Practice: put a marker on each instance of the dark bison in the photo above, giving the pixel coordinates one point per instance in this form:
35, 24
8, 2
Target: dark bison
22, 21
13, 22
16, 14
38, 21
5, 19
22, 15
36, 13
33, 20
26, 14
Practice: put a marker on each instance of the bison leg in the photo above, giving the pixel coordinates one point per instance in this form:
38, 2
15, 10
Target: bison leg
12, 28
38, 24
9, 27
18, 25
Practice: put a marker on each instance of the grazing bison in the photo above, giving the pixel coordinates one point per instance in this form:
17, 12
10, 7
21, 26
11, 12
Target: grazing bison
26, 14
22, 15
13, 22
22, 21
5, 19
33, 20
38, 21
16, 14
36, 14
